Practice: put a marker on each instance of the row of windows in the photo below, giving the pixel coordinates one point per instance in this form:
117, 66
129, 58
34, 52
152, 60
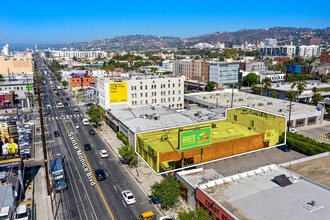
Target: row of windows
134, 95
78, 80
155, 86
154, 101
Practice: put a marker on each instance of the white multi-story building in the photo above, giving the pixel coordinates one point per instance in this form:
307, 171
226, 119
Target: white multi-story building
5, 50
308, 51
255, 67
140, 90
78, 54
277, 51
168, 65
269, 42
224, 74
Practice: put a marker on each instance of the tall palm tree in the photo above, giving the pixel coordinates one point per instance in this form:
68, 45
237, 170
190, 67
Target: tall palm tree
266, 84
301, 86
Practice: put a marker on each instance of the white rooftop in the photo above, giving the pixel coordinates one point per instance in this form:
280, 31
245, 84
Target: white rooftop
256, 195
310, 84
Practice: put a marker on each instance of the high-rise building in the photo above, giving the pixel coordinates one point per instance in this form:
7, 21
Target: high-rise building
5, 50
311, 41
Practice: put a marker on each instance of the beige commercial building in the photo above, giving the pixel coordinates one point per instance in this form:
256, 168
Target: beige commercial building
15, 66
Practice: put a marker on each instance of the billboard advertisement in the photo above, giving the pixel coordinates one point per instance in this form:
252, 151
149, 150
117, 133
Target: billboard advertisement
195, 138
9, 139
293, 68
118, 92
243, 130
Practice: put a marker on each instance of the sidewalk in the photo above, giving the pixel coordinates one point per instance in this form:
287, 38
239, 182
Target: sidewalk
42, 205
146, 178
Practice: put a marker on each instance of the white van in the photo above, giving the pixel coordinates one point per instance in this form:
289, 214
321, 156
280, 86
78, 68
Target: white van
85, 121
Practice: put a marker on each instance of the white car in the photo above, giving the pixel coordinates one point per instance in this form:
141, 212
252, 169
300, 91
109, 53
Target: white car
166, 218
62, 115
128, 197
76, 126
103, 153
292, 130
4, 117
22, 213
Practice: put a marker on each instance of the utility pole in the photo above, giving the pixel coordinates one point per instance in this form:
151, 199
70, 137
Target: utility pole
232, 97
44, 144
289, 122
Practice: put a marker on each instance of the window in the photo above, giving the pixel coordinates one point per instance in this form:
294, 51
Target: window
146, 94
86, 79
17, 88
173, 92
132, 88
169, 85
146, 87
132, 102
169, 99
141, 94
21, 88
235, 117
173, 99
251, 123
141, 87
311, 120
169, 92
173, 85
300, 122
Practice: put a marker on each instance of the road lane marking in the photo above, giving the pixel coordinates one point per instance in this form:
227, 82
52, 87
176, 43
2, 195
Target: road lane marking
115, 188
124, 203
100, 162
96, 183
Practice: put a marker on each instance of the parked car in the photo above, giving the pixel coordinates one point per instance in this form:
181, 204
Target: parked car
76, 126
91, 132
284, 148
128, 197
22, 213
100, 175
103, 153
56, 133
4, 117
87, 147
293, 130
89, 104
68, 99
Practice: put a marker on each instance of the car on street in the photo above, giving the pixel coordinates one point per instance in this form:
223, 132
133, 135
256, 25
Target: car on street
64, 94
76, 126
87, 147
16, 117
100, 175
76, 109
166, 218
48, 105
56, 133
293, 130
22, 212
4, 117
67, 99
62, 115
128, 197
89, 104
103, 153
66, 104
91, 132
284, 148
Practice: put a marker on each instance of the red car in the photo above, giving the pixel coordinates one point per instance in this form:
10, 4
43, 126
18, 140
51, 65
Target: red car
64, 93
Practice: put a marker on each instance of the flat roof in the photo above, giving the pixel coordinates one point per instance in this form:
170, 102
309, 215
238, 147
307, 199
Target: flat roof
263, 103
256, 195
310, 84
316, 169
199, 176
136, 119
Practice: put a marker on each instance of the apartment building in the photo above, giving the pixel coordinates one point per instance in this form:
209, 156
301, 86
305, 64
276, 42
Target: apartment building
192, 69
255, 67
325, 58
277, 51
78, 54
140, 90
224, 74
308, 51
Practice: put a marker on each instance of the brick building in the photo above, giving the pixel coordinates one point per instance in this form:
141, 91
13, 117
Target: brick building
80, 82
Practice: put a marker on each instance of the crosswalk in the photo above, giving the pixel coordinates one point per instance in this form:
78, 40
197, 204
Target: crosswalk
55, 106
52, 118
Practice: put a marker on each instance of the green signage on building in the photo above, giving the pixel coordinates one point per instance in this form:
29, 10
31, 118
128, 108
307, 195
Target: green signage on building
195, 138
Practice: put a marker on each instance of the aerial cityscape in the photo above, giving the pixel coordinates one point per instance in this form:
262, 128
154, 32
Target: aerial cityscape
164, 110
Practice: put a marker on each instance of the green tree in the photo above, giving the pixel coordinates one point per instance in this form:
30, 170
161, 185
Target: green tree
324, 78
128, 154
153, 69
74, 58
1, 78
314, 90
316, 98
198, 214
210, 84
250, 79
290, 95
59, 77
167, 191
274, 94
64, 83
94, 114
82, 68
256, 90
130, 60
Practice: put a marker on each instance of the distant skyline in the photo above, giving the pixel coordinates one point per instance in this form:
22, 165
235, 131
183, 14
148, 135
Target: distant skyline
76, 21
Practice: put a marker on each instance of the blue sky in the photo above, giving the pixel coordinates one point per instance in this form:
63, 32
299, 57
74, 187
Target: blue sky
75, 21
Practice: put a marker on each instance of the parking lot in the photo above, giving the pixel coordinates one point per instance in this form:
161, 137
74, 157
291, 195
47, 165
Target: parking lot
315, 130
252, 161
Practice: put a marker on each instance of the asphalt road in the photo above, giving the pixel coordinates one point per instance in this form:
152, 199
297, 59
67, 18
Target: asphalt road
86, 198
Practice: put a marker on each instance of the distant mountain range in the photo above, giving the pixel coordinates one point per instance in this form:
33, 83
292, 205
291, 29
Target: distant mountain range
284, 35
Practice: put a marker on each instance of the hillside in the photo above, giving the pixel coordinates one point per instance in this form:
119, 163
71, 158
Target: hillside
284, 35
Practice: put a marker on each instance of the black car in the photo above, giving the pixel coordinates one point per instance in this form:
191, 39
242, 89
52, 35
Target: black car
67, 99
91, 132
66, 104
100, 175
284, 148
87, 147
89, 104
56, 133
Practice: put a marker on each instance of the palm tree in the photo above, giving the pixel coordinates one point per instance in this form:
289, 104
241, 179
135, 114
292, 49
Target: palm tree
130, 60
314, 90
301, 86
266, 84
